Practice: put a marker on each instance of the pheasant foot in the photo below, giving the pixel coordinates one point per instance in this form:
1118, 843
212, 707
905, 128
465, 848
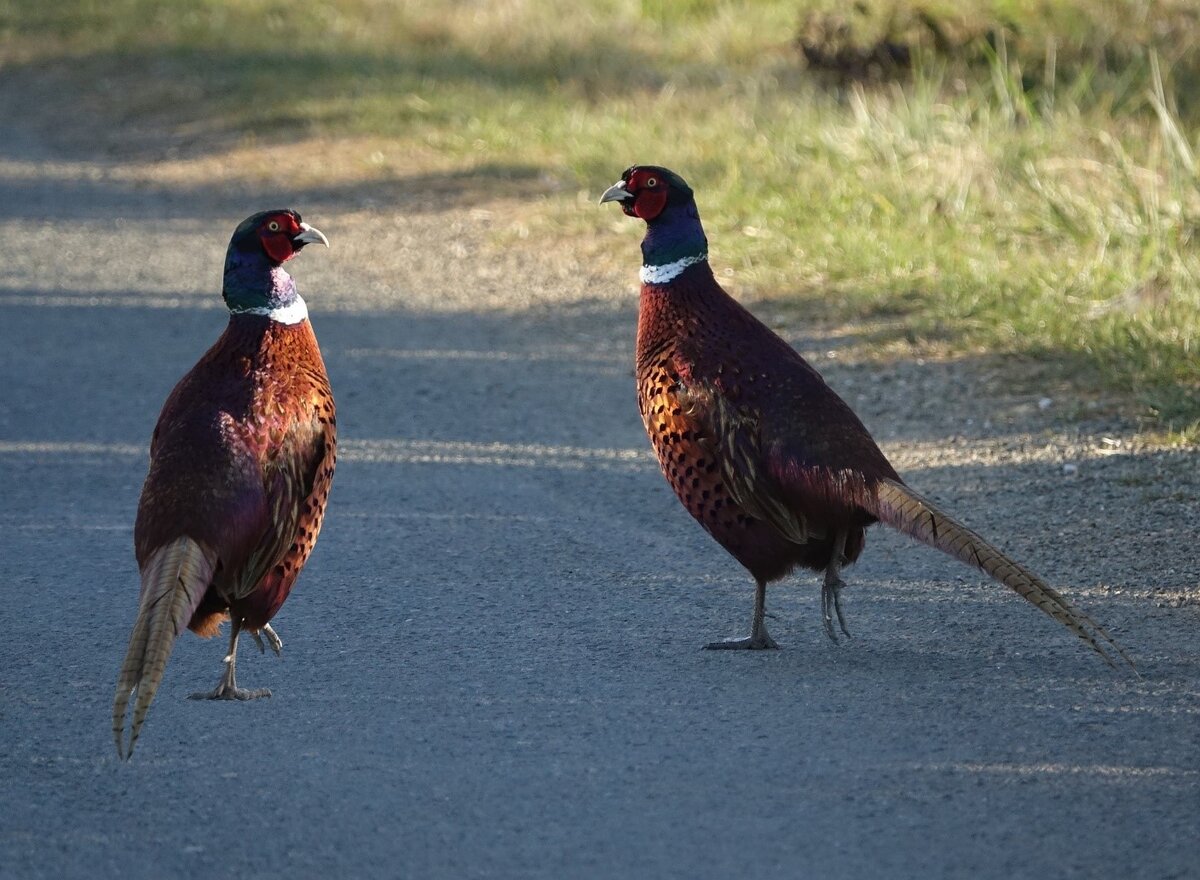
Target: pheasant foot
228, 688
831, 603
757, 642
759, 638
225, 692
831, 590
273, 639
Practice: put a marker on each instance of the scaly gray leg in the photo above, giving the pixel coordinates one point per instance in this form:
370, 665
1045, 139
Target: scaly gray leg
273, 640
228, 689
759, 638
831, 590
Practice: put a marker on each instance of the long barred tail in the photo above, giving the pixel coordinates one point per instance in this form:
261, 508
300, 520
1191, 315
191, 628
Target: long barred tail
174, 581
903, 509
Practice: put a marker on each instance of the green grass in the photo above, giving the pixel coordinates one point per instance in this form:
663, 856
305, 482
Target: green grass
1027, 188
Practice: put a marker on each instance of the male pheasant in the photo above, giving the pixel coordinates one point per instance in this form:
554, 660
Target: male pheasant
241, 461
764, 454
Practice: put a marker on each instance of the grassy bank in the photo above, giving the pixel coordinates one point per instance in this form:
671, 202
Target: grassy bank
1005, 176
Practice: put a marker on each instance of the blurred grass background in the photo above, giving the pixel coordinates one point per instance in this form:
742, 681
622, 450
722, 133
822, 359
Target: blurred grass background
1009, 178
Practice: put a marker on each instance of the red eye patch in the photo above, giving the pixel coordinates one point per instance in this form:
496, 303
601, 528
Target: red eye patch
650, 202
278, 245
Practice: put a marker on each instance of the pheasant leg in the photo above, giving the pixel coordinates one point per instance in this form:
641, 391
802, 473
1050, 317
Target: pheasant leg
759, 638
228, 689
831, 590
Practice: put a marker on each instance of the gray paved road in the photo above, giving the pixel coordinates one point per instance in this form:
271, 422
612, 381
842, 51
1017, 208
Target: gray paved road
491, 664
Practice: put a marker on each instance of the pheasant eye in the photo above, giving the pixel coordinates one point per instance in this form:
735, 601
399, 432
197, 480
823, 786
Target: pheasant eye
273, 226
651, 182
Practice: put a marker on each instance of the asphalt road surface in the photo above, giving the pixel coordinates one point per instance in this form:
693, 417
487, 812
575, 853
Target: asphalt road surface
492, 662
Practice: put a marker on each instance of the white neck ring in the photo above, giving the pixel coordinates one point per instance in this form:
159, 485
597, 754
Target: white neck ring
669, 271
293, 313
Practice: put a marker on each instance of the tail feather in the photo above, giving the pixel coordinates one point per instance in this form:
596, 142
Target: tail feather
174, 581
903, 509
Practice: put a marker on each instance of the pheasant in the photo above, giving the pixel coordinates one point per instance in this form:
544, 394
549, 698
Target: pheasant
760, 450
241, 462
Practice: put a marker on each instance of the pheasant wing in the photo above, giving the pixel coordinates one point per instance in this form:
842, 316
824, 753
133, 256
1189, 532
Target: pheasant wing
791, 451
292, 468
734, 437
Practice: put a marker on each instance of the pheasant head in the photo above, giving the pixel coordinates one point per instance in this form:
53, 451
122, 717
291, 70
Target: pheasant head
674, 237
255, 281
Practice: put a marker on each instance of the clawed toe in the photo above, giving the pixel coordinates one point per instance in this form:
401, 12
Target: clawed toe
224, 692
762, 641
831, 604
228, 689
273, 639
759, 639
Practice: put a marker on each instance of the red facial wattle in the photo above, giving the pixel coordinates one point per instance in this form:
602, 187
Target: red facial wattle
278, 246
649, 203
277, 235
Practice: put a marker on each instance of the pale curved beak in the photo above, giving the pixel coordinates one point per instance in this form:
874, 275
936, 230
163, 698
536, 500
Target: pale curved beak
616, 193
309, 235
